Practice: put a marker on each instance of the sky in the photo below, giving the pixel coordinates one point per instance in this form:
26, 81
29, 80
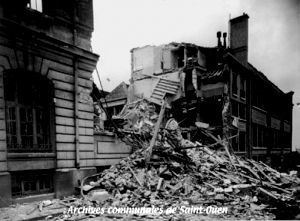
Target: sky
274, 36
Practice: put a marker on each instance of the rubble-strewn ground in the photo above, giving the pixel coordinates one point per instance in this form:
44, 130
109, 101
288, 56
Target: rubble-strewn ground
34, 210
179, 174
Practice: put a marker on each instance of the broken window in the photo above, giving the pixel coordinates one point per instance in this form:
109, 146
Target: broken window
26, 183
35, 5
28, 99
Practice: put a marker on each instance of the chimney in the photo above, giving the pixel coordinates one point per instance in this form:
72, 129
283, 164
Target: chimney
224, 39
219, 34
239, 37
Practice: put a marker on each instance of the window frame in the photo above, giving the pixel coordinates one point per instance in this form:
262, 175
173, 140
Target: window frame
259, 136
243, 88
47, 108
43, 182
234, 82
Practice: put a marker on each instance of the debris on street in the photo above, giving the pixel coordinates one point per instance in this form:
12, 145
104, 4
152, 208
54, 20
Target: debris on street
181, 172
184, 174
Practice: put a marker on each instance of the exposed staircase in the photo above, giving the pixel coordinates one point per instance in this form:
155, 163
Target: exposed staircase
162, 88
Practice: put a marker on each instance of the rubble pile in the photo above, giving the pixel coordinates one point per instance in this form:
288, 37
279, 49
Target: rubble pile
184, 174
201, 176
139, 116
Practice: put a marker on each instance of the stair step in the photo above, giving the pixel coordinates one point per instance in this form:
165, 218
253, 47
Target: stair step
169, 81
157, 96
170, 91
164, 90
158, 92
167, 85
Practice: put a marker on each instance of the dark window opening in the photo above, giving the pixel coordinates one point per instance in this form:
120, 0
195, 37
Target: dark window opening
235, 144
259, 135
180, 57
243, 88
242, 141
239, 142
259, 97
26, 183
234, 84
285, 141
238, 109
28, 99
210, 111
274, 138
234, 108
242, 111
254, 97
254, 135
192, 55
188, 84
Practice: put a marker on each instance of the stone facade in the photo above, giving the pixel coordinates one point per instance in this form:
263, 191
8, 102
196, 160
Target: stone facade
52, 44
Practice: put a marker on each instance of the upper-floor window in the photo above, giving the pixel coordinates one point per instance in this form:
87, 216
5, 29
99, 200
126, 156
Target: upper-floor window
28, 98
238, 109
242, 87
234, 84
35, 5
274, 138
238, 86
259, 135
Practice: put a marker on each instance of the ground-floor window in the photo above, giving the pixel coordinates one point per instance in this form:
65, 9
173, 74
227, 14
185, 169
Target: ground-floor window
29, 112
239, 142
274, 138
259, 135
285, 140
31, 182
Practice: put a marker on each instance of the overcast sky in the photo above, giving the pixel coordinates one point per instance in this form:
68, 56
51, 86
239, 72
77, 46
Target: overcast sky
274, 35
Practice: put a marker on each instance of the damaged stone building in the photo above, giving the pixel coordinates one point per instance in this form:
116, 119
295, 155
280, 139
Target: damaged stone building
218, 88
46, 113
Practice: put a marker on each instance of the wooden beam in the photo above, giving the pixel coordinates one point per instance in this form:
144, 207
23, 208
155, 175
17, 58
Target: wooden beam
148, 152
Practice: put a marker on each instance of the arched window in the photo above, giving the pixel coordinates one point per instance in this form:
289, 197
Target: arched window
29, 116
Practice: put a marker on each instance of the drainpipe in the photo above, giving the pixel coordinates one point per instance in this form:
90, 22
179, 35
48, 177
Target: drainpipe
76, 91
76, 101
